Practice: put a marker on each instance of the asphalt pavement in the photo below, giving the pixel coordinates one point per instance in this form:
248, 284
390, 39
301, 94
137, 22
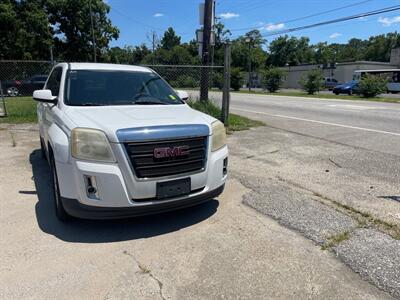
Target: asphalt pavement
366, 124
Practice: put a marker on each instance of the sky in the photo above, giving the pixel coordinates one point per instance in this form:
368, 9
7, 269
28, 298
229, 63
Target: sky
137, 19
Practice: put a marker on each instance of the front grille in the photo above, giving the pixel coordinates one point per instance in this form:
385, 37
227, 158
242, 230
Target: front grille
146, 165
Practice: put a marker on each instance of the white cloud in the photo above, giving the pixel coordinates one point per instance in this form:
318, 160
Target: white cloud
273, 27
389, 21
228, 15
335, 35
158, 15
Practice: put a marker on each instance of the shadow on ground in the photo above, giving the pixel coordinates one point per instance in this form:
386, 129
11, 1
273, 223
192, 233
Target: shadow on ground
89, 231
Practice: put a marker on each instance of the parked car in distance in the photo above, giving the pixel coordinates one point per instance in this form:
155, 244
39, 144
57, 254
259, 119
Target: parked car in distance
330, 83
350, 87
121, 142
26, 87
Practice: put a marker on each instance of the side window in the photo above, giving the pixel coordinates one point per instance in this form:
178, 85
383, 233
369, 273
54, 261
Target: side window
54, 81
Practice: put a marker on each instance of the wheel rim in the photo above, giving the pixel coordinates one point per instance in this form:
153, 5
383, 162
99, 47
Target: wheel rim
12, 91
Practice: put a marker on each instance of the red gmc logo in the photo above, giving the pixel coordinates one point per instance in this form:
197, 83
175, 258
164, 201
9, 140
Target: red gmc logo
176, 151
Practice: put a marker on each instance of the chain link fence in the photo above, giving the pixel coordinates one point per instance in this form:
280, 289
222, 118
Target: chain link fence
21, 78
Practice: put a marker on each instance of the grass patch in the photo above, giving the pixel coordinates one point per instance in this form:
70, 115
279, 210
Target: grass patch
20, 110
235, 122
336, 239
322, 96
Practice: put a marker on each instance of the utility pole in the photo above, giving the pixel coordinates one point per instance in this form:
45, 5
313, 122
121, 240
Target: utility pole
153, 43
227, 84
91, 25
51, 55
205, 76
248, 40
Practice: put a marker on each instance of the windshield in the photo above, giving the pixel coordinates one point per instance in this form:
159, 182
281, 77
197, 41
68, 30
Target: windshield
353, 82
105, 87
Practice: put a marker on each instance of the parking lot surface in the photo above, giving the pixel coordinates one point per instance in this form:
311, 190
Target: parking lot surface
222, 249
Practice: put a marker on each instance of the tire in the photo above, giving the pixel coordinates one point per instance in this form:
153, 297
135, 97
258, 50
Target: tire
43, 149
350, 92
336, 93
12, 91
61, 214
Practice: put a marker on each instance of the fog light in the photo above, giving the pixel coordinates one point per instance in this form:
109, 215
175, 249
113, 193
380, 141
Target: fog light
91, 187
225, 167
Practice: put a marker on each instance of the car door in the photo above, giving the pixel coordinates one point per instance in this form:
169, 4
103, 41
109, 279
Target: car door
46, 110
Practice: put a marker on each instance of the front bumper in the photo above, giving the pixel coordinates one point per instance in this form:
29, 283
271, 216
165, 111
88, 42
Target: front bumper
121, 194
76, 209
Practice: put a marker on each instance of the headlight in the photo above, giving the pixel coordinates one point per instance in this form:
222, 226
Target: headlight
91, 144
218, 136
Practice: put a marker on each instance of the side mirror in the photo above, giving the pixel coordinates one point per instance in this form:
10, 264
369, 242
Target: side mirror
44, 96
183, 95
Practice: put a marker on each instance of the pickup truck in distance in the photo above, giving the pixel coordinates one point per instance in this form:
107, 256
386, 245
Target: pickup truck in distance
121, 142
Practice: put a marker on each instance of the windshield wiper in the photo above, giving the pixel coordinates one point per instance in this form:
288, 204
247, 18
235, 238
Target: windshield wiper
90, 104
148, 101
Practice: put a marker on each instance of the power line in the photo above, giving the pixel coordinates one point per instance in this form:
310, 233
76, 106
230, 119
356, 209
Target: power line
366, 14
361, 15
134, 20
308, 16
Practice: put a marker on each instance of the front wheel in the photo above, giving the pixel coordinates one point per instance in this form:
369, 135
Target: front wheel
350, 92
61, 214
12, 91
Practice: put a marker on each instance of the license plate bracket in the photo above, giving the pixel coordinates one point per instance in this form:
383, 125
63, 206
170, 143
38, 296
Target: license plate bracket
173, 188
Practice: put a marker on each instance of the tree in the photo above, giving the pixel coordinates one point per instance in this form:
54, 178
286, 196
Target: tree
170, 39
313, 81
371, 86
236, 79
71, 22
25, 32
292, 51
273, 78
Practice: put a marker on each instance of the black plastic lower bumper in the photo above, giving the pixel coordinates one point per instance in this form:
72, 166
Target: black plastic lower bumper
76, 209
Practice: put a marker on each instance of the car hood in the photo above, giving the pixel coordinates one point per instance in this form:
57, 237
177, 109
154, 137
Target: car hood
112, 118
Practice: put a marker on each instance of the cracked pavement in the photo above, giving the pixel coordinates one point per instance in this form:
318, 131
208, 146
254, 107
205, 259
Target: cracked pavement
222, 249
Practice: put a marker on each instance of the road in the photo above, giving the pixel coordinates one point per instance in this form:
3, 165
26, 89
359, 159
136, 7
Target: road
370, 125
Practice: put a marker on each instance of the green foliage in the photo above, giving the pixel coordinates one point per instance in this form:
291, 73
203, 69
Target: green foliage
292, 51
29, 28
273, 79
313, 81
170, 39
218, 80
25, 32
184, 81
235, 122
70, 21
127, 55
236, 79
371, 86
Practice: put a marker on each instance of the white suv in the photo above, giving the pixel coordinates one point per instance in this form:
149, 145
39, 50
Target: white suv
121, 142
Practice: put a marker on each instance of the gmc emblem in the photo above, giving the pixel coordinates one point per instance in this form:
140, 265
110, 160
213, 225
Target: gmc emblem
176, 151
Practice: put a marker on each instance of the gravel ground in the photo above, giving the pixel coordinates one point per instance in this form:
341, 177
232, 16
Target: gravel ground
372, 252
296, 209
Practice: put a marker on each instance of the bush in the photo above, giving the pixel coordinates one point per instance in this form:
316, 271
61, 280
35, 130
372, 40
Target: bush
184, 81
236, 79
371, 86
218, 80
313, 81
272, 79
